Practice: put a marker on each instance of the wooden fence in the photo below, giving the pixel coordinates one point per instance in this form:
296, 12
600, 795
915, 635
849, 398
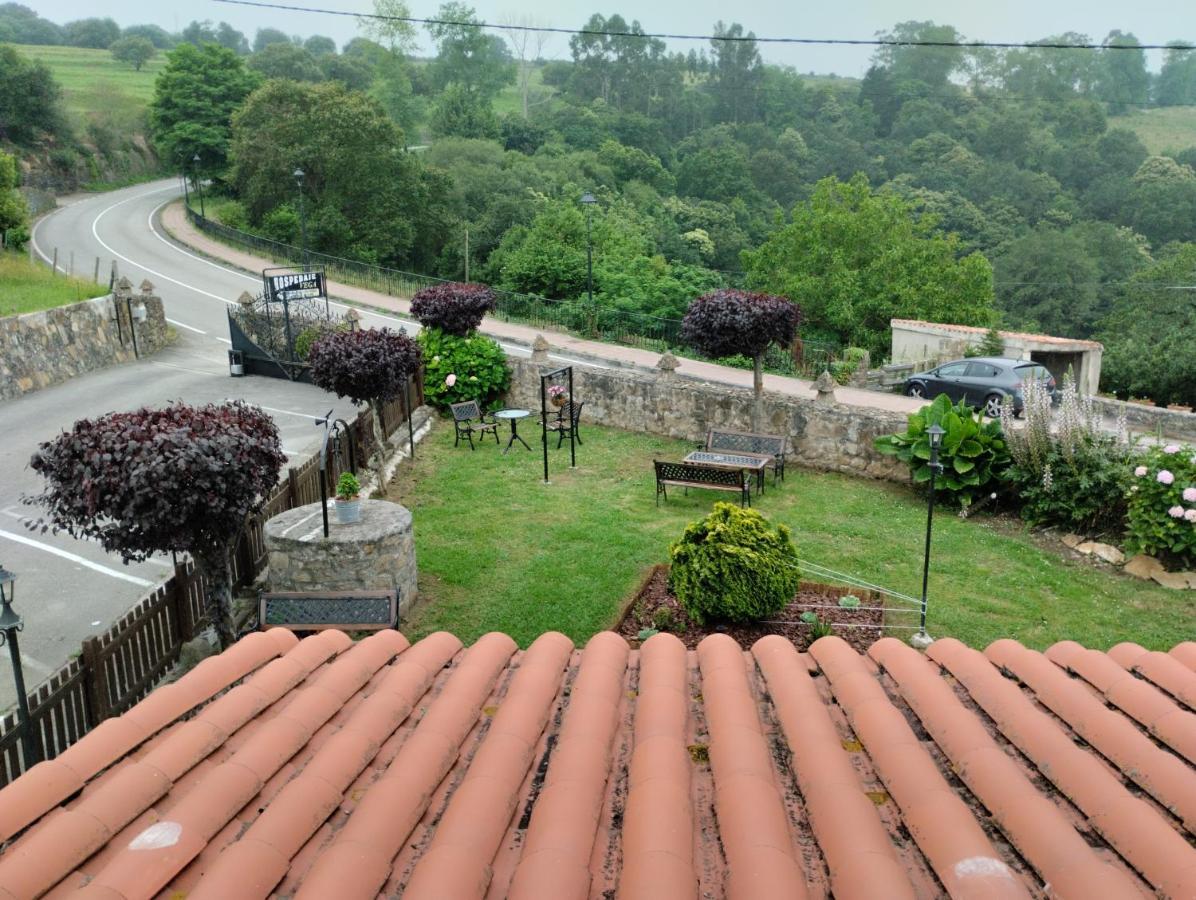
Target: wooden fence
120, 667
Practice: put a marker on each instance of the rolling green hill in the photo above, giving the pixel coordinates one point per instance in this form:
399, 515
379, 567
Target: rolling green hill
1165, 130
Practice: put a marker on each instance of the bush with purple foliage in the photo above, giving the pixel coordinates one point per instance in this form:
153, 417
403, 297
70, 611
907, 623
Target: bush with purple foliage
455, 308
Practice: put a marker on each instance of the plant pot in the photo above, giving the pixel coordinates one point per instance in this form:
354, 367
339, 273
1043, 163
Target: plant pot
559, 401
348, 511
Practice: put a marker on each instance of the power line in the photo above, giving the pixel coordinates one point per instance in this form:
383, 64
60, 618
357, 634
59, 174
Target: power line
748, 38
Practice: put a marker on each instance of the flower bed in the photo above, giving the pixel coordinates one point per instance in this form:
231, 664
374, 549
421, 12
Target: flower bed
1162, 512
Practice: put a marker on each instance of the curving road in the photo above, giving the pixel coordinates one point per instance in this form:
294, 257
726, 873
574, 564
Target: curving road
69, 589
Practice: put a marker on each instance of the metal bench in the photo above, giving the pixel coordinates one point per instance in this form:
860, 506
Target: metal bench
722, 440
696, 475
316, 611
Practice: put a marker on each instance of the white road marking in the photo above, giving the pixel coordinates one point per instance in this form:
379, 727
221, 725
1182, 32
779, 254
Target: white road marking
30, 542
185, 325
225, 340
284, 412
185, 369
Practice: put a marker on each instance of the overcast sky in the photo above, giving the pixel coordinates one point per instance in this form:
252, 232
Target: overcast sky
1152, 21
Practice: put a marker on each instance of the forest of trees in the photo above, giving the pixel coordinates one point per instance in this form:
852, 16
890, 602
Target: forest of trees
956, 183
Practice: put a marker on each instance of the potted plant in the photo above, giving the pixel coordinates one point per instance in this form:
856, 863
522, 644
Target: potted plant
557, 395
348, 499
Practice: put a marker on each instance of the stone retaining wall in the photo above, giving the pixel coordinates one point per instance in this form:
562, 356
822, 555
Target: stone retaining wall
45, 348
1150, 419
828, 436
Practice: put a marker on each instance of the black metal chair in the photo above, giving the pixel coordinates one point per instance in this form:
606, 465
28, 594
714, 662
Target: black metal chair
567, 420
469, 419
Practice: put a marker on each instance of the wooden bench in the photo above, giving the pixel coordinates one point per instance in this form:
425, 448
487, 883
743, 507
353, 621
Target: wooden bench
725, 441
316, 611
696, 475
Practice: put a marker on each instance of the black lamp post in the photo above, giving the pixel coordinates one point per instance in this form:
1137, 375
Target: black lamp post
10, 624
935, 435
588, 200
199, 185
298, 173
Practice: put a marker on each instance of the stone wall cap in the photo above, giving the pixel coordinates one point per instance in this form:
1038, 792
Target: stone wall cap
668, 362
305, 525
540, 344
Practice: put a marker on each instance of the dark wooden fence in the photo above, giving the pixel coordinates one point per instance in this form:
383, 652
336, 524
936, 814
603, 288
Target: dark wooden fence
118, 668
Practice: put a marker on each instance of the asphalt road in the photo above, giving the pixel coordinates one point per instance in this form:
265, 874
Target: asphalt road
68, 589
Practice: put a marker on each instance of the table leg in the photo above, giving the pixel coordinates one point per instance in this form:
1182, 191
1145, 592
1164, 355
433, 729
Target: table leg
514, 437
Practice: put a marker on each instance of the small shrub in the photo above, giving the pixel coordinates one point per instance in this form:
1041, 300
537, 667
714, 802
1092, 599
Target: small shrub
809, 617
849, 601
347, 486
644, 633
479, 364
1162, 505
974, 455
992, 344
664, 619
456, 308
733, 566
821, 628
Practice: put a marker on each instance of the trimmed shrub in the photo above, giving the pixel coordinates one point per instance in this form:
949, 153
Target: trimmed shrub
1162, 507
478, 366
456, 308
973, 453
733, 566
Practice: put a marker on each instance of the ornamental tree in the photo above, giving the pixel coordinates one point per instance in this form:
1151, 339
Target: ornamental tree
727, 322
368, 366
181, 479
455, 308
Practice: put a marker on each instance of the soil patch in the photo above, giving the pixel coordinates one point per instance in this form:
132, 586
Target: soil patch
655, 607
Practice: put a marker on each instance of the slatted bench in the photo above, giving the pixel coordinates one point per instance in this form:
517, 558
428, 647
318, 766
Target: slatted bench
725, 441
316, 611
696, 475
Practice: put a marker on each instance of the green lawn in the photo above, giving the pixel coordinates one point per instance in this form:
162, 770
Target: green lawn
499, 550
1166, 130
96, 86
26, 287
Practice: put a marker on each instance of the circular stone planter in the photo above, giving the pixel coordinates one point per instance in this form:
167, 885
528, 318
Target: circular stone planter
377, 553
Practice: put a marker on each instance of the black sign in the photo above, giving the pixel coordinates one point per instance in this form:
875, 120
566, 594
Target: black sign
295, 285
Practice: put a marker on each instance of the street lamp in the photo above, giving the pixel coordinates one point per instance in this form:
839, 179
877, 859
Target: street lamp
199, 185
588, 200
298, 173
10, 624
934, 435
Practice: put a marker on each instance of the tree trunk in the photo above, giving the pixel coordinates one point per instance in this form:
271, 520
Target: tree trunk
758, 390
379, 458
218, 576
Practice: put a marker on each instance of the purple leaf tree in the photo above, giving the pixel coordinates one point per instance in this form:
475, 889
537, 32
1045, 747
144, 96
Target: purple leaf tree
728, 322
182, 479
455, 308
368, 366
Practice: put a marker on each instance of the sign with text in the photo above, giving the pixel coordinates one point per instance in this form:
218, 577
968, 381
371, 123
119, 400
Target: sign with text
294, 285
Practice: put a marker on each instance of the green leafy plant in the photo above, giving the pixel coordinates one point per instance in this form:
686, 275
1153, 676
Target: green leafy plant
821, 628
665, 619
733, 566
1162, 505
809, 617
644, 633
348, 487
477, 362
992, 344
973, 454
849, 601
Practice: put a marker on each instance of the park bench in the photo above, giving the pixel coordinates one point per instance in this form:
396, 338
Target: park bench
318, 610
696, 475
721, 440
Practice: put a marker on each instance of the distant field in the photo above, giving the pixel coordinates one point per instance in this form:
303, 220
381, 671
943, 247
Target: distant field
97, 87
1166, 130
509, 99
26, 287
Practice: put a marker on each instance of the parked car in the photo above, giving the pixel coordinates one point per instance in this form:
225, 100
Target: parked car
982, 382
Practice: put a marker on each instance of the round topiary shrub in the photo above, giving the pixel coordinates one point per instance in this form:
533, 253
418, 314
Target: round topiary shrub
455, 308
462, 368
733, 566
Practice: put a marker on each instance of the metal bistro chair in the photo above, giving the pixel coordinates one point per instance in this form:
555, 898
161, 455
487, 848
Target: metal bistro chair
568, 418
469, 419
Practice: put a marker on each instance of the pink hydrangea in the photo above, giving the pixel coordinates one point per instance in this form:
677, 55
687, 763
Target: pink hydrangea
1164, 477
1171, 448
450, 380
1190, 515
1140, 471
1190, 495
1176, 512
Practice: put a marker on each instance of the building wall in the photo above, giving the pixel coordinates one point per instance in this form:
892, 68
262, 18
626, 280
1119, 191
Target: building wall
45, 348
830, 437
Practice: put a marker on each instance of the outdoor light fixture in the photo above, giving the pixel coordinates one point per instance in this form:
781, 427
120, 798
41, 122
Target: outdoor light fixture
199, 185
10, 624
299, 176
934, 436
588, 201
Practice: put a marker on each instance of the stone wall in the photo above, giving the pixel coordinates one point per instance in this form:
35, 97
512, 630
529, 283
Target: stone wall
828, 436
1150, 420
45, 348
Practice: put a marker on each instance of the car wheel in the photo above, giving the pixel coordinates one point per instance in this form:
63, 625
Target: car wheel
916, 390
992, 406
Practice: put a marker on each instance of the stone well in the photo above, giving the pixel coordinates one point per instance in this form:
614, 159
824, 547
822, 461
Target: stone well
377, 553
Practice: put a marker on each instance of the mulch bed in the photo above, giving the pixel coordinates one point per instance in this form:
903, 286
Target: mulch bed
654, 606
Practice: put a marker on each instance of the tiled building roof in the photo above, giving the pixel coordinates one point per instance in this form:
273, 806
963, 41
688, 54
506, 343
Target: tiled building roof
326, 769
974, 331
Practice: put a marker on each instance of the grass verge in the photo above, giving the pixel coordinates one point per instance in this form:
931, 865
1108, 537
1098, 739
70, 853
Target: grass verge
499, 550
28, 287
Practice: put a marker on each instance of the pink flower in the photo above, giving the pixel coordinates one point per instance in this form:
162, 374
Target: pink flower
1190, 515
1171, 448
1176, 512
1140, 471
450, 380
1190, 495
1164, 477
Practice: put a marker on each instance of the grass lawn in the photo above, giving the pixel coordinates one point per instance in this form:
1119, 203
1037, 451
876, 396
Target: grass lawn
94, 85
499, 550
27, 287
1165, 130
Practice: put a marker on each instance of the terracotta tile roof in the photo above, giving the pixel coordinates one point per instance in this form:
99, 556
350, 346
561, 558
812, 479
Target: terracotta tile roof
1012, 335
323, 768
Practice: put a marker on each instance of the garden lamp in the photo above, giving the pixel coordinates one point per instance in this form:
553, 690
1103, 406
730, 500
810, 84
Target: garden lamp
10, 624
934, 435
588, 200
